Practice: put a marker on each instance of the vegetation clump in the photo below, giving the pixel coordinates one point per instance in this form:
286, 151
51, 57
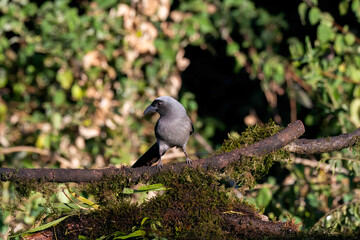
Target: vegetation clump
194, 206
250, 136
248, 169
108, 191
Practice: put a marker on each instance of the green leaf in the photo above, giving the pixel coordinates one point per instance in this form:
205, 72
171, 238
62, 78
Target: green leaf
232, 48
106, 3
3, 111
166, 50
59, 98
19, 88
138, 233
30, 9
339, 45
349, 39
313, 200
232, 3
343, 7
356, 92
128, 191
193, 6
3, 78
264, 197
353, 72
205, 24
302, 12
355, 110
153, 187
56, 119
327, 19
68, 206
314, 15
43, 141
324, 33
143, 221
296, 48
102, 237
76, 92
309, 120
47, 225
65, 78
84, 200
355, 5
279, 73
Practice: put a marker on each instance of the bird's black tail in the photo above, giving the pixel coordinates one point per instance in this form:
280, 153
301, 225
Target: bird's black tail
150, 157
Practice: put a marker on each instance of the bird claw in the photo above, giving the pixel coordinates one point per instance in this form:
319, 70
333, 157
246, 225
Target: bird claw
189, 161
159, 166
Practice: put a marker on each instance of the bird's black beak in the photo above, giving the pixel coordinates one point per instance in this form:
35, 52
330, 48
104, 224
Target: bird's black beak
150, 109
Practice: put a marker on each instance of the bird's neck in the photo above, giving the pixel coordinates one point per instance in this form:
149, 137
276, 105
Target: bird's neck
171, 115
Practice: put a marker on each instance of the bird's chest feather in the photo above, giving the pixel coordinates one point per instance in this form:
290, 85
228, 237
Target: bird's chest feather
174, 132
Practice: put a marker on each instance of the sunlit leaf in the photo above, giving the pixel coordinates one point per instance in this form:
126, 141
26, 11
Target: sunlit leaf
76, 92
3, 78
302, 11
56, 120
264, 197
343, 7
350, 39
232, 48
324, 33
143, 221
138, 233
339, 45
84, 200
45, 226
65, 78
43, 141
355, 111
153, 187
59, 98
314, 15
3, 111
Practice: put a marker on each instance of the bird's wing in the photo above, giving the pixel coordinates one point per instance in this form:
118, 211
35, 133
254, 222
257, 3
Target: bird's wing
150, 157
192, 127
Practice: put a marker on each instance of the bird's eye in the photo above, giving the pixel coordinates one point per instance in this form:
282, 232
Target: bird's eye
160, 103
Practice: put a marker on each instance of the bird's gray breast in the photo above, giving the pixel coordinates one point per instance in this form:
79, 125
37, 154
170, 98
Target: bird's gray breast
173, 131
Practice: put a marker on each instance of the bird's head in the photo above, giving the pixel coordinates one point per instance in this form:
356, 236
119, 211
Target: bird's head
165, 105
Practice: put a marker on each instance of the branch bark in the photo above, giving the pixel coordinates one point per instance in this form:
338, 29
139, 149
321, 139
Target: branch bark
277, 141
286, 138
321, 145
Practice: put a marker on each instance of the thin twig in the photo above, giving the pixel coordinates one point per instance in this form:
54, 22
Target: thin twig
24, 149
319, 164
43, 152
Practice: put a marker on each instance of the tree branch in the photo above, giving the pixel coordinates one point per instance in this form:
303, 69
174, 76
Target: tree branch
321, 145
268, 145
286, 138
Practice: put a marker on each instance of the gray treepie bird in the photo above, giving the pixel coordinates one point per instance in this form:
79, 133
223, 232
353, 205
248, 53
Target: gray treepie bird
173, 129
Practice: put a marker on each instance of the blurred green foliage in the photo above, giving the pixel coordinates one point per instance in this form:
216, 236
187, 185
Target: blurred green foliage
76, 76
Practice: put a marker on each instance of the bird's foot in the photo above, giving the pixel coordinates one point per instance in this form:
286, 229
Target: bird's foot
189, 161
159, 166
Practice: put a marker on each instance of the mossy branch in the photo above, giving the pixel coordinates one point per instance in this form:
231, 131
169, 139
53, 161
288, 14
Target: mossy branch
279, 140
286, 138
